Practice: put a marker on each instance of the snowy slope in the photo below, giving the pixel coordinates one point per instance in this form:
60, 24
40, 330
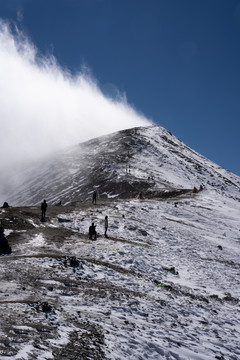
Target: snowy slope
164, 285
191, 312
147, 159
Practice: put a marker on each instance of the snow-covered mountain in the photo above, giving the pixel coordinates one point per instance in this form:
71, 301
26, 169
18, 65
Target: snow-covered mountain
149, 160
163, 285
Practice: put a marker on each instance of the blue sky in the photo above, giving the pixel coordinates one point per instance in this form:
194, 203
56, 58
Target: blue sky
177, 61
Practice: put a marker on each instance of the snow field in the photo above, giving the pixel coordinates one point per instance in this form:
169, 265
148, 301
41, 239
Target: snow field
195, 308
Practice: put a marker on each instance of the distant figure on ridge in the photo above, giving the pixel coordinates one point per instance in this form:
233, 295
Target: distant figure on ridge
94, 197
140, 195
106, 226
43, 209
92, 232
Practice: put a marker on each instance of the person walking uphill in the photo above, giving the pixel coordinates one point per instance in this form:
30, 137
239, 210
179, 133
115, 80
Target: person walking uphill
44, 209
94, 197
106, 226
92, 232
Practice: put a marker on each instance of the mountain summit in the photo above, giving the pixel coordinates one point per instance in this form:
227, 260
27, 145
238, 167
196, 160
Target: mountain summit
147, 159
160, 283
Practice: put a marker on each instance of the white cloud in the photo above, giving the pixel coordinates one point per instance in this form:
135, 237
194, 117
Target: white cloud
44, 108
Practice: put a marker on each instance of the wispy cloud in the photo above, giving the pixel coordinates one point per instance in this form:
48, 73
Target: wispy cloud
44, 108
20, 15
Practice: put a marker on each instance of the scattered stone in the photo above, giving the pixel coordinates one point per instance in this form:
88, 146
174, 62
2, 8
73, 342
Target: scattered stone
132, 228
173, 271
220, 247
44, 307
204, 322
231, 299
143, 232
62, 220
86, 343
74, 262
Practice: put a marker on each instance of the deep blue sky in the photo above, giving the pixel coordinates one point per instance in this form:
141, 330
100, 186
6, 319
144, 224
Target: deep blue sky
178, 61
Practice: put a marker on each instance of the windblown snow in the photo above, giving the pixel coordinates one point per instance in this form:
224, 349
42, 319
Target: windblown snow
163, 285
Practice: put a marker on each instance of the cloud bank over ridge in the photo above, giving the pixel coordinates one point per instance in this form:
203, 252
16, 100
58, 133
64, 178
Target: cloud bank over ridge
44, 108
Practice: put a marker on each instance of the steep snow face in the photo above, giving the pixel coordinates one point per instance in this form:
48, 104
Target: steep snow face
149, 160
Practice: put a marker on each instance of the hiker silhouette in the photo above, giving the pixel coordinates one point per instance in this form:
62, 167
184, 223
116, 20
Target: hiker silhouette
94, 198
5, 248
44, 209
106, 226
92, 232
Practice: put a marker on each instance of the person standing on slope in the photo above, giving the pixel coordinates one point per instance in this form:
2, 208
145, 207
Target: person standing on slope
5, 248
44, 209
92, 232
106, 226
94, 198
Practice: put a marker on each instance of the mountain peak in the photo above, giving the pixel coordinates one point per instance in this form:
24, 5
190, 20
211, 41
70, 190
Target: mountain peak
144, 159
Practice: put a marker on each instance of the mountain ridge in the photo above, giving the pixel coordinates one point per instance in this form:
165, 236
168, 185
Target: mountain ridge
144, 159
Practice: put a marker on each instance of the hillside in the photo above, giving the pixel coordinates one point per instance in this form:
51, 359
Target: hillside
163, 285
148, 159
